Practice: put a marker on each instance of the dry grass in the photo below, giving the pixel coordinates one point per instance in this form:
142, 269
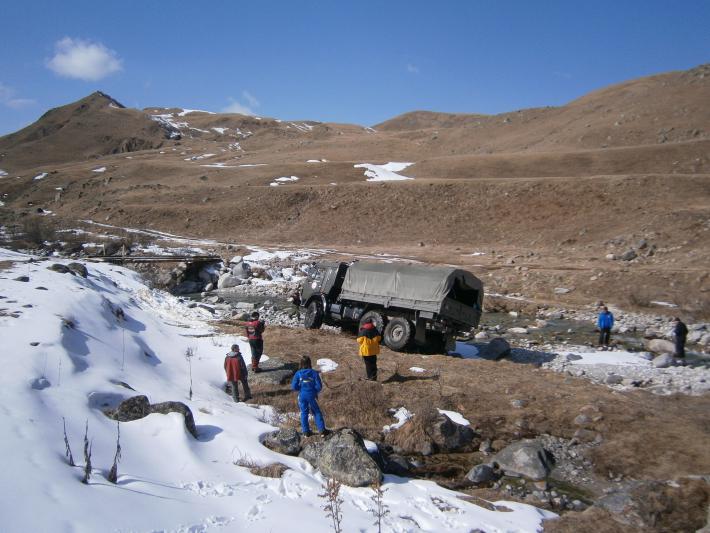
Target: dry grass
274, 470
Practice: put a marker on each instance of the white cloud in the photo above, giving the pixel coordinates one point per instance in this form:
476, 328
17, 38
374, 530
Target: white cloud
244, 109
413, 69
7, 98
253, 102
84, 60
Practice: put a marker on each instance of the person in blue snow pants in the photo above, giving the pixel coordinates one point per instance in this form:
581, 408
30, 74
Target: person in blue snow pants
307, 382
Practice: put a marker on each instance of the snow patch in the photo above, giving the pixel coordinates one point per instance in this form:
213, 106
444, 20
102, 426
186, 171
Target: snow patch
456, 418
387, 172
326, 365
284, 179
417, 369
100, 169
40, 176
220, 130
187, 111
401, 415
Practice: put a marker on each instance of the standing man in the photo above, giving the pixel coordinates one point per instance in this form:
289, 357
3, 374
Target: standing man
605, 322
255, 329
680, 333
368, 338
308, 384
236, 370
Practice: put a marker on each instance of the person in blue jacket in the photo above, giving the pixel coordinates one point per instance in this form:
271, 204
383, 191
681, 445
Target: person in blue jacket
605, 322
307, 382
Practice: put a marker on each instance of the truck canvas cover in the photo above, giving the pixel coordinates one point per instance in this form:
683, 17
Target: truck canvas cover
427, 286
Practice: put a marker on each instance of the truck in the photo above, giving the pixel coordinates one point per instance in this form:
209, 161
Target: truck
413, 306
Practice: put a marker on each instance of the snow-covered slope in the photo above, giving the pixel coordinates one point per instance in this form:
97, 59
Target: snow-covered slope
168, 481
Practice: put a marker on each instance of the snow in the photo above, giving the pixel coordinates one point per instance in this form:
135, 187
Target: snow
198, 157
219, 165
401, 415
584, 356
253, 165
326, 365
284, 179
664, 304
40, 176
187, 111
2, 173
417, 369
100, 169
220, 130
387, 172
167, 480
456, 418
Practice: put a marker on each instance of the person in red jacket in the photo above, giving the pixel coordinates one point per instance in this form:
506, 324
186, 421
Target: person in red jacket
237, 371
255, 329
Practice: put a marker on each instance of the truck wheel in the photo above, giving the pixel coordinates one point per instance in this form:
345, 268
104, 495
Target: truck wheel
314, 315
378, 318
398, 333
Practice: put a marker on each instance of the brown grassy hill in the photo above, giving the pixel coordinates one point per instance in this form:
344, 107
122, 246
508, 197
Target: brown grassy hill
92, 127
658, 109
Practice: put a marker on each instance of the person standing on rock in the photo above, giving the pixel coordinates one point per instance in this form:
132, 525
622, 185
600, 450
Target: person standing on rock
255, 329
368, 338
236, 370
680, 334
605, 322
308, 384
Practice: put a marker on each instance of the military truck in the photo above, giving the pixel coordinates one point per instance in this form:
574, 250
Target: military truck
413, 306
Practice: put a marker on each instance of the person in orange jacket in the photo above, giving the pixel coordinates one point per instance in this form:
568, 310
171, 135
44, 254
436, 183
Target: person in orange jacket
236, 370
368, 338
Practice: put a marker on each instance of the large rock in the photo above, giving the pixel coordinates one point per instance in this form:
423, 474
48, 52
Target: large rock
527, 458
660, 346
286, 441
481, 474
496, 349
58, 267
79, 269
227, 281
450, 436
139, 407
343, 456
241, 270
663, 361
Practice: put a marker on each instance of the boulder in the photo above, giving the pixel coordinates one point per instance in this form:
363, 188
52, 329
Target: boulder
24, 279
562, 290
343, 456
481, 474
286, 441
139, 407
660, 346
58, 267
663, 361
227, 281
177, 407
628, 255
448, 436
481, 336
133, 408
527, 458
395, 464
496, 349
79, 269
614, 379
241, 270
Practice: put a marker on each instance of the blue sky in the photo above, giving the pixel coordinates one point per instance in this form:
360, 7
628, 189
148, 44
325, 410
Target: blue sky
360, 62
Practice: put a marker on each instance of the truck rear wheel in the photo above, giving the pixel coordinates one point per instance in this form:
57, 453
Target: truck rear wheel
398, 333
377, 317
314, 315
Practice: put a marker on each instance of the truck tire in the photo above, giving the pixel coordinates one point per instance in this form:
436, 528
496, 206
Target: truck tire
398, 333
377, 317
314, 315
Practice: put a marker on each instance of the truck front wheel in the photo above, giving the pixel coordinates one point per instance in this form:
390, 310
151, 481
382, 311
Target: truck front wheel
398, 333
314, 315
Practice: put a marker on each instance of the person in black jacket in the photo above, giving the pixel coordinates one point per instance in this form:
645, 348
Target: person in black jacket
680, 333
